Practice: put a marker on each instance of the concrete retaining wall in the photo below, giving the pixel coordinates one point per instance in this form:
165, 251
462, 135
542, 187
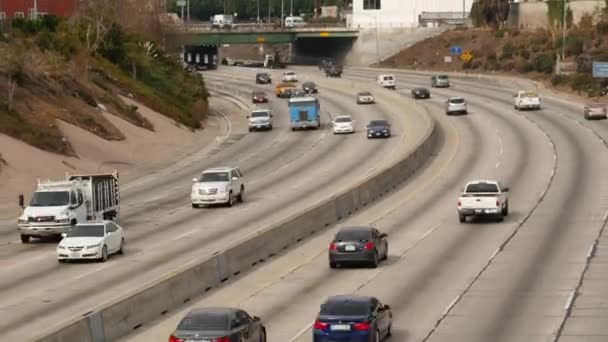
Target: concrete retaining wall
534, 14
121, 317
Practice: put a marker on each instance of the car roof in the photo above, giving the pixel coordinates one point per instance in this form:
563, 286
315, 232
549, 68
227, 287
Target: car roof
420, 88
344, 116
219, 169
347, 298
364, 92
378, 121
456, 98
309, 82
220, 311
483, 181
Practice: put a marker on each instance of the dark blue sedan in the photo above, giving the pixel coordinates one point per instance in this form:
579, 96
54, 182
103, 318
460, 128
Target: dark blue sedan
354, 319
378, 129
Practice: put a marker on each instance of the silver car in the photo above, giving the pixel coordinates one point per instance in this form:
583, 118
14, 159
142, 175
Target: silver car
365, 97
440, 81
595, 111
456, 105
260, 119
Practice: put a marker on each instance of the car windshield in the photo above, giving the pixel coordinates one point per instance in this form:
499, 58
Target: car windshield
388, 78
290, 73
215, 177
87, 231
353, 235
262, 75
456, 100
343, 119
482, 187
365, 93
378, 123
309, 85
50, 199
258, 93
530, 94
442, 77
204, 322
345, 308
259, 114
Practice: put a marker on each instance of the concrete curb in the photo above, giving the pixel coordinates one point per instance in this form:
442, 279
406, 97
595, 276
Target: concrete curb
114, 320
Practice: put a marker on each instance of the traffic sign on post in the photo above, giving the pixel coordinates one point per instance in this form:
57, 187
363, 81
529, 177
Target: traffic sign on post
600, 69
466, 56
456, 50
181, 3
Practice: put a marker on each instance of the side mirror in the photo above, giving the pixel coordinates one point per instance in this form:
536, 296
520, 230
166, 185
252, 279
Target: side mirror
64, 235
256, 318
383, 235
272, 116
194, 180
235, 178
387, 307
505, 189
21, 200
247, 117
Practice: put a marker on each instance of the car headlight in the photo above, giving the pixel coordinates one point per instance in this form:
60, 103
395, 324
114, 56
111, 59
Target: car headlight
63, 220
222, 190
21, 221
93, 246
60, 247
385, 130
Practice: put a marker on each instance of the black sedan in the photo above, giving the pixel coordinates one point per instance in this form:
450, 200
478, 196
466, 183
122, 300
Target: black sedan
378, 129
421, 93
358, 244
219, 324
310, 87
262, 78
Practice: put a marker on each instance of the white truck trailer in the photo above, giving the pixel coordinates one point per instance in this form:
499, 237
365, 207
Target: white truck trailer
56, 206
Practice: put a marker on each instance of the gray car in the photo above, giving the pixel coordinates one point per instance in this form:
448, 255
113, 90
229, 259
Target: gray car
219, 324
440, 81
455, 105
358, 245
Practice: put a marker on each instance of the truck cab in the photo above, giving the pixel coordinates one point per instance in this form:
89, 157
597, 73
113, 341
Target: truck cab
483, 198
56, 206
304, 112
221, 21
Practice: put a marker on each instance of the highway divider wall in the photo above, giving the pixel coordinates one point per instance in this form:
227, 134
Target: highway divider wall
120, 317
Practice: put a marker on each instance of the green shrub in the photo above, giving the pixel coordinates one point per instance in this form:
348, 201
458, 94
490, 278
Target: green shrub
525, 54
544, 63
507, 51
584, 83
602, 27
508, 66
559, 79
499, 34
525, 67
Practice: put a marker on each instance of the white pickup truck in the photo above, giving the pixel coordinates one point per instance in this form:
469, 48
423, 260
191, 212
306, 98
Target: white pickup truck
483, 198
526, 100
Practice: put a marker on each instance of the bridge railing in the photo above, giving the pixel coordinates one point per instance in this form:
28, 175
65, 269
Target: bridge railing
254, 27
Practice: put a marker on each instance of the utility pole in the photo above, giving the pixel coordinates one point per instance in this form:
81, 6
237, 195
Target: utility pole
269, 12
188, 11
282, 12
291, 10
35, 14
258, 12
564, 33
464, 15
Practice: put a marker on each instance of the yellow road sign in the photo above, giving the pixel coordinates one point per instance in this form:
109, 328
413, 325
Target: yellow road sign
324, 34
466, 56
260, 39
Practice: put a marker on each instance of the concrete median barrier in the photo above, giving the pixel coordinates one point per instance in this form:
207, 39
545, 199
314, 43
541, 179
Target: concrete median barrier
120, 317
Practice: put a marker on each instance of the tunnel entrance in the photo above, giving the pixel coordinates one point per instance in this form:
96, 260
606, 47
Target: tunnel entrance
310, 51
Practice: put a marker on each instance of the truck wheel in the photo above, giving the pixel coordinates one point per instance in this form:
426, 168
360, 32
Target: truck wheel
194, 205
230, 199
462, 218
122, 246
241, 196
500, 218
374, 262
505, 210
25, 238
250, 129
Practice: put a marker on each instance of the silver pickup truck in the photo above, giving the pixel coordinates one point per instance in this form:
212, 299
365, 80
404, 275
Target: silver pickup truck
483, 198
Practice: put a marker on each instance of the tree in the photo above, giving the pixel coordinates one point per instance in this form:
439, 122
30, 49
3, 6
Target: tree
12, 63
494, 12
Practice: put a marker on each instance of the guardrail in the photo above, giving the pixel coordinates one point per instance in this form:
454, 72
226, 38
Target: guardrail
255, 28
120, 317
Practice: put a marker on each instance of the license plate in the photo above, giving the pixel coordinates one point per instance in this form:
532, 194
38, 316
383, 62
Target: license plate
478, 211
340, 327
377, 133
74, 254
350, 248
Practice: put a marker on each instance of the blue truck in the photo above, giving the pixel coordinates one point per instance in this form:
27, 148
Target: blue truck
305, 112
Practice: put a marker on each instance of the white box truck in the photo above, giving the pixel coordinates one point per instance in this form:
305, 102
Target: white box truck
56, 206
222, 21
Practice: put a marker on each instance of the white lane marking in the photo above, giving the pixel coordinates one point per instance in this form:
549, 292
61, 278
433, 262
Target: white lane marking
183, 235
497, 164
424, 236
570, 300
451, 305
302, 332
605, 216
495, 253
591, 251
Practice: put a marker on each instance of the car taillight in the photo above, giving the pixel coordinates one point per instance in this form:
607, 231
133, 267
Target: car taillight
369, 246
497, 203
321, 325
459, 203
222, 339
362, 326
175, 339
332, 247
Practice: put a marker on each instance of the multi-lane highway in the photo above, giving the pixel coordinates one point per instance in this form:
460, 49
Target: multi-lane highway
285, 173
537, 276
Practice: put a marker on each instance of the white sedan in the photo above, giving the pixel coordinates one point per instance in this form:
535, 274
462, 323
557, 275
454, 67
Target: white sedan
91, 240
343, 124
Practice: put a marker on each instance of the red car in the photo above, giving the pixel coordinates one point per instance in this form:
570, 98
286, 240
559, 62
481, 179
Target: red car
259, 97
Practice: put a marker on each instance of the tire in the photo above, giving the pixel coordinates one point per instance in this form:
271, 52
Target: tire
586, 116
241, 197
500, 218
293, 129
374, 262
263, 336
194, 205
385, 257
61, 261
462, 218
104, 254
377, 336
270, 128
505, 211
250, 129
332, 264
122, 246
25, 238
230, 199
465, 112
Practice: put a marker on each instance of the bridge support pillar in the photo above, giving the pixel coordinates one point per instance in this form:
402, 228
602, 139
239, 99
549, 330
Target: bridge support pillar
290, 53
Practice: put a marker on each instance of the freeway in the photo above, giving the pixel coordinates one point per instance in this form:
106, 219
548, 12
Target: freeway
445, 281
286, 173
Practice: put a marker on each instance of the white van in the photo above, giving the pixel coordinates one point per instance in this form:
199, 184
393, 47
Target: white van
222, 21
387, 81
294, 22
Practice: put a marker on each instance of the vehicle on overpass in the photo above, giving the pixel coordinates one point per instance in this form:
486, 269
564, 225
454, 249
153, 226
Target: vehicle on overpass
284, 90
219, 325
343, 124
595, 111
56, 206
526, 100
260, 119
293, 22
440, 81
455, 104
221, 185
304, 112
480, 198
91, 240
421, 93
222, 21
365, 97
353, 318
358, 245
378, 129
387, 81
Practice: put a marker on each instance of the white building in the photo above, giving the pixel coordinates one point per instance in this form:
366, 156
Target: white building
398, 13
